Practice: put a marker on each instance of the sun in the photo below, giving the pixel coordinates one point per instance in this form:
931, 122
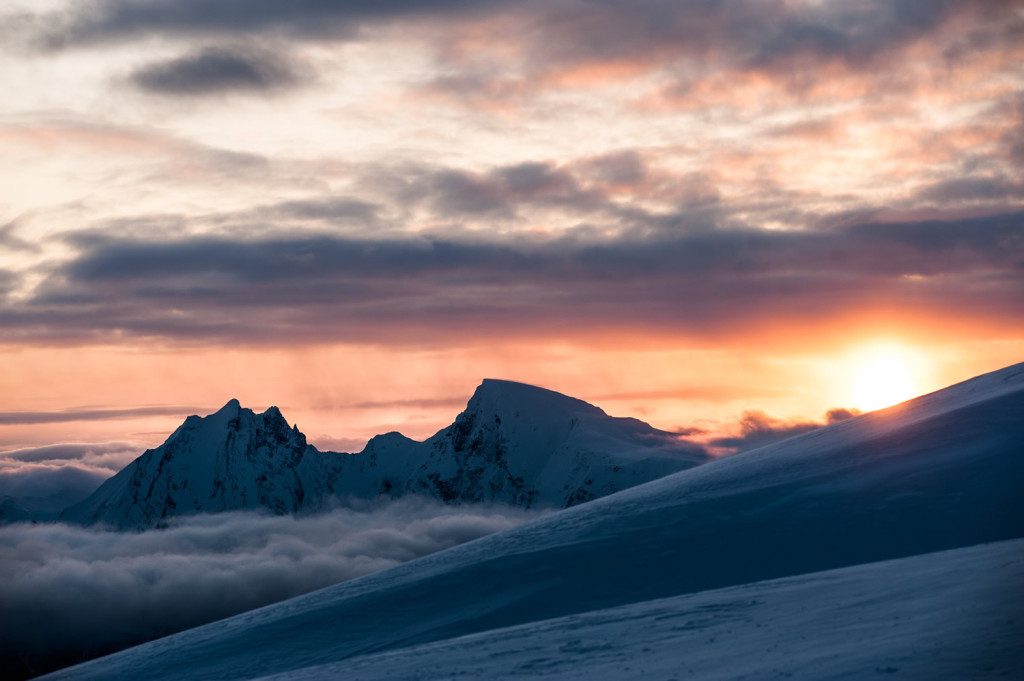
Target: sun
881, 377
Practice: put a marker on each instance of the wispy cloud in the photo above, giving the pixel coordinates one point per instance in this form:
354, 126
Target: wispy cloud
91, 414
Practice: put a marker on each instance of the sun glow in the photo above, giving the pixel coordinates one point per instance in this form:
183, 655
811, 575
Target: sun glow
881, 377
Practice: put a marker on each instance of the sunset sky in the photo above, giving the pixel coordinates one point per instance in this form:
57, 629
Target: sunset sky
678, 210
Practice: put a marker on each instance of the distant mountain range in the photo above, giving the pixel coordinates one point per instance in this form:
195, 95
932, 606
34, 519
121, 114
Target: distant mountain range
514, 444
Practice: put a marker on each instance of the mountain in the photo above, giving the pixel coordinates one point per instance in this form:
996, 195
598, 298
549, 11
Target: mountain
13, 512
231, 460
521, 445
935, 474
514, 444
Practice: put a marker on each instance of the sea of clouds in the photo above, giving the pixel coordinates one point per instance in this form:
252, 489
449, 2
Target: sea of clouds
68, 592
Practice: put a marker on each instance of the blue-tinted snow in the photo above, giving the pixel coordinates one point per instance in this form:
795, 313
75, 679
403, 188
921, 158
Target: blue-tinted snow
949, 615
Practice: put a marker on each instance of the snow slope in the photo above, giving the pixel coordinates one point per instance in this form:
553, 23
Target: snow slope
948, 615
937, 473
514, 444
13, 512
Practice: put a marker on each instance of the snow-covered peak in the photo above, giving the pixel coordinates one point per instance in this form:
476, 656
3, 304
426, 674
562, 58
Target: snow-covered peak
535, 447
231, 408
207, 433
230, 460
498, 396
273, 414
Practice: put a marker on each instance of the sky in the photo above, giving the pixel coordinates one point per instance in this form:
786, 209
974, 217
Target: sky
722, 217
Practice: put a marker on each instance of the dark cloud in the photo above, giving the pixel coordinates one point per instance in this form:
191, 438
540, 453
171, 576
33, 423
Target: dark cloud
703, 46
852, 32
111, 19
973, 189
66, 415
997, 240
68, 592
588, 189
320, 287
757, 429
564, 32
217, 70
502, 190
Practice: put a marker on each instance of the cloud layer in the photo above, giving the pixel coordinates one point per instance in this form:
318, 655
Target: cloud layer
757, 429
513, 167
67, 591
318, 287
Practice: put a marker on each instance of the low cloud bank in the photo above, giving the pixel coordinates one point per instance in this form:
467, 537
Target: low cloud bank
68, 593
45, 480
757, 429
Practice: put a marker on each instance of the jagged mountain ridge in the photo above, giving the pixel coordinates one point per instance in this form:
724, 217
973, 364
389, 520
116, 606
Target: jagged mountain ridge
514, 443
233, 459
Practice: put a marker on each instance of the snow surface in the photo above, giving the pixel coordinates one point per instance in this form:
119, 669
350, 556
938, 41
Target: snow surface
938, 473
948, 615
514, 444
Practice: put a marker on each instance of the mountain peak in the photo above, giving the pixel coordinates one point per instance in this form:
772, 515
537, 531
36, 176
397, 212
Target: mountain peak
232, 459
230, 409
274, 415
499, 394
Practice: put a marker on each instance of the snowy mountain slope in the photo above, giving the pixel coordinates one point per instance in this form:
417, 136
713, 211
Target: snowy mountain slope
937, 473
13, 512
948, 615
514, 444
231, 460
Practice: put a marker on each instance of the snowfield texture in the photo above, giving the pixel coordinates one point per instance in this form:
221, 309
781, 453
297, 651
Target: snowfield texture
938, 473
514, 444
948, 615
